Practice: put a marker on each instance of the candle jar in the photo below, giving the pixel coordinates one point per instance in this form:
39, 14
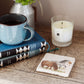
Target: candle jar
62, 30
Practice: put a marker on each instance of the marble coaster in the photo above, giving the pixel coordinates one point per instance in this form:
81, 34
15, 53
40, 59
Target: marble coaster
56, 64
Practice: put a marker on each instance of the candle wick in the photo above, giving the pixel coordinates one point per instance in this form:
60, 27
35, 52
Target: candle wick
62, 24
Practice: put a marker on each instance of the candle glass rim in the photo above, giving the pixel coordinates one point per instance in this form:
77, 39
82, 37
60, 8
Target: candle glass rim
66, 18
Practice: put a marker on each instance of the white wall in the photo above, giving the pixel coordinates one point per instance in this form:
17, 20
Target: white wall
72, 8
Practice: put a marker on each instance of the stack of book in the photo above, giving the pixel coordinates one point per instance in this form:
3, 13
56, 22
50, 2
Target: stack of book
13, 53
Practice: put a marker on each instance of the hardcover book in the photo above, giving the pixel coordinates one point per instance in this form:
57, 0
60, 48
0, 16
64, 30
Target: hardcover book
56, 64
15, 58
35, 43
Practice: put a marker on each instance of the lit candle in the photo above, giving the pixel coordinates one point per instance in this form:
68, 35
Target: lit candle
62, 31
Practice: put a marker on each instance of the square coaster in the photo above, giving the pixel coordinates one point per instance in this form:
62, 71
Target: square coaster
56, 64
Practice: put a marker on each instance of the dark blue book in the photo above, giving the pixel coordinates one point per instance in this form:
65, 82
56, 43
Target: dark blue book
35, 43
19, 57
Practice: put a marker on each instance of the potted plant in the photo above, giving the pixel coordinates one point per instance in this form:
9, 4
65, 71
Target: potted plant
24, 7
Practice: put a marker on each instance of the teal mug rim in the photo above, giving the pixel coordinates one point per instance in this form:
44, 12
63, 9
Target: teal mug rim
13, 14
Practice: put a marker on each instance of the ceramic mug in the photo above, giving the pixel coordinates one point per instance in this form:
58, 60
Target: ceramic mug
13, 28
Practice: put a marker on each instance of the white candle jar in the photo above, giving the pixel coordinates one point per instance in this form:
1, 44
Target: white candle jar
62, 30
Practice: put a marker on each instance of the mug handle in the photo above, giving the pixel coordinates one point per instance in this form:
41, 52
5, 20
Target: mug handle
31, 31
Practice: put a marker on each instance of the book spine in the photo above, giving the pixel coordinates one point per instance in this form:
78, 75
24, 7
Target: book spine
22, 49
12, 59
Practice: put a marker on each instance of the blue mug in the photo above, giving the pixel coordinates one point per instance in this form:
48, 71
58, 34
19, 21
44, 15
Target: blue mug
13, 29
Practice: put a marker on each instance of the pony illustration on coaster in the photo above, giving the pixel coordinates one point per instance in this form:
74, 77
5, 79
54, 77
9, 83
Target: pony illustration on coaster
56, 66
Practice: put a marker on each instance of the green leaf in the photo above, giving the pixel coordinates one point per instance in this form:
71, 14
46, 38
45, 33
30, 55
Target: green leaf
18, 1
25, 2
